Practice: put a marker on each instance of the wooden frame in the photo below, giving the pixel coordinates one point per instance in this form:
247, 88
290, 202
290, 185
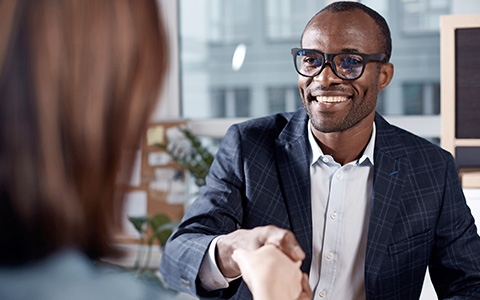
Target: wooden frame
449, 25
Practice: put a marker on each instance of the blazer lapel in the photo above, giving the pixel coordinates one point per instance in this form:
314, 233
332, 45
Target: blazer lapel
389, 172
293, 156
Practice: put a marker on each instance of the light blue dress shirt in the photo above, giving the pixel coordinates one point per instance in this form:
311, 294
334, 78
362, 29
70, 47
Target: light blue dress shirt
340, 211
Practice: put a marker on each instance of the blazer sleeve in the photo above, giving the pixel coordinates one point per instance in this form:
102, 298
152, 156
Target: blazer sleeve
216, 211
455, 261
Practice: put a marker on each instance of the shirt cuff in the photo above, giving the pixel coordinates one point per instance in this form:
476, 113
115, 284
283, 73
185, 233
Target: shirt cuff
210, 275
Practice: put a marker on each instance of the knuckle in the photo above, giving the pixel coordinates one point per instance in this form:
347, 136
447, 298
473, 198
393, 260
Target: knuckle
270, 228
286, 235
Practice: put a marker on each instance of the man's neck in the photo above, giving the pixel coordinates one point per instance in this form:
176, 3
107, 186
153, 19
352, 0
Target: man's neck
345, 146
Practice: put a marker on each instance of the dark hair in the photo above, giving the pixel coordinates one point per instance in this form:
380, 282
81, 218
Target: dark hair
78, 82
379, 20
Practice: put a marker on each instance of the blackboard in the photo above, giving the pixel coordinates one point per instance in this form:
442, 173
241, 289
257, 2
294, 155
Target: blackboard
467, 83
460, 93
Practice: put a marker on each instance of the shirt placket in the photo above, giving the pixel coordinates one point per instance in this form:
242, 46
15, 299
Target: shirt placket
332, 233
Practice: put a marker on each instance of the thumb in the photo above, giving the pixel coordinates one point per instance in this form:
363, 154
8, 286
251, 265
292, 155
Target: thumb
298, 263
242, 258
239, 255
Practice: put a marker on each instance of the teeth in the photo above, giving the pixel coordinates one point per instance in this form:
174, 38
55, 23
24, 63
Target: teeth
333, 99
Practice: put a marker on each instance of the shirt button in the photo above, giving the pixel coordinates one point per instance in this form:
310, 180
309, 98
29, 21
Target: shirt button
322, 294
339, 176
325, 159
329, 255
333, 216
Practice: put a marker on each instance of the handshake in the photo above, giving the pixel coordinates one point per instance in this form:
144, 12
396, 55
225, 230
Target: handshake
269, 259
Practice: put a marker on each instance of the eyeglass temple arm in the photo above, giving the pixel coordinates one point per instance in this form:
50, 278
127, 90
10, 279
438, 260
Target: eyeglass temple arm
378, 57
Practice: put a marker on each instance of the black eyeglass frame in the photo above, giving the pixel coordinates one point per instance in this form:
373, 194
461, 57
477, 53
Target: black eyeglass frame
328, 57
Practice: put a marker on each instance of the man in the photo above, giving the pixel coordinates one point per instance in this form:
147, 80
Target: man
371, 205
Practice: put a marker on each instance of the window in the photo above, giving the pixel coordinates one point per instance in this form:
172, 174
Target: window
228, 21
229, 68
422, 16
286, 18
281, 99
421, 98
215, 85
219, 103
230, 103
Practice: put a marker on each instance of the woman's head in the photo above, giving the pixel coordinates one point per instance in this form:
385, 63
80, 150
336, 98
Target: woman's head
78, 81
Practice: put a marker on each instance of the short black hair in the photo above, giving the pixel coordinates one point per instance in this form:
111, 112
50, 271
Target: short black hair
341, 6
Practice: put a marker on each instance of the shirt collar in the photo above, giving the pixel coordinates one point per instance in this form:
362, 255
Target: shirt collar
317, 152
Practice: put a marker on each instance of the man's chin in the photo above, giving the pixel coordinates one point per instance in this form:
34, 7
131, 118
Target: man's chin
326, 127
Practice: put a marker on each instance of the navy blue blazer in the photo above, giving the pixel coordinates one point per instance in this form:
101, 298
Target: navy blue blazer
260, 176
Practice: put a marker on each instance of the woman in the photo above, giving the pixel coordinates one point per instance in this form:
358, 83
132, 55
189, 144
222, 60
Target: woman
78, 81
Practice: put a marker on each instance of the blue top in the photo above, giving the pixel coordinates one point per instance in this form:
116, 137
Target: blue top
71, 275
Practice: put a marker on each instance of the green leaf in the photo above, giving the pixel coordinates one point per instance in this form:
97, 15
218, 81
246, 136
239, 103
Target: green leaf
163, 232
169, 225
138, 222
197, 162
162, 229
158, 220
160, 236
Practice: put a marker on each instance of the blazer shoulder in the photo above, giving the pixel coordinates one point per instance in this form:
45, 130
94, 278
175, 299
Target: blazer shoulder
395, 139
271, 125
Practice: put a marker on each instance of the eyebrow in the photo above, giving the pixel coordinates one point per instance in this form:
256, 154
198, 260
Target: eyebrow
351, 50
343, 50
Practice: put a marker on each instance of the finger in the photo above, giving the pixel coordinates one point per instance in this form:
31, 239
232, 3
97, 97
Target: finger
290, 242
305, 285
285, 240
306, 290
239, 256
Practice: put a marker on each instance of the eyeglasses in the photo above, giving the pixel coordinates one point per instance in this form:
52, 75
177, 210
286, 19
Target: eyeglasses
347, 66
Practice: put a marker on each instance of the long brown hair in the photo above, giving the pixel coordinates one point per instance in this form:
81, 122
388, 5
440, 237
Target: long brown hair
78, 82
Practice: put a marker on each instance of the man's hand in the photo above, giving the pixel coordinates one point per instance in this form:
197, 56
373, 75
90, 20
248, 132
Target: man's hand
251, 240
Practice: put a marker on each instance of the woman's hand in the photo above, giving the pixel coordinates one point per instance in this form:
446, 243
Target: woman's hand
272, 275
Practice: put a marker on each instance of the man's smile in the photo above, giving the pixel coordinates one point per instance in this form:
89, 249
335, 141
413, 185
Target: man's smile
330, 99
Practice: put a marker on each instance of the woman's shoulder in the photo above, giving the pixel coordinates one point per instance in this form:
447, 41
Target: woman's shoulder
71, 275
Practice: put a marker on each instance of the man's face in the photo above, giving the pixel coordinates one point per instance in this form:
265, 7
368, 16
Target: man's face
334, 104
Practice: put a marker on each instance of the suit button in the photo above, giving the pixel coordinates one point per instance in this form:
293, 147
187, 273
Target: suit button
185, 283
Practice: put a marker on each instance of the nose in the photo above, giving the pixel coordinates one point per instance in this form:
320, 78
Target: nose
327, 77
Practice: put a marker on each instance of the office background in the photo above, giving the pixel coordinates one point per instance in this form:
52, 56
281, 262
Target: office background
213, 90
231, 61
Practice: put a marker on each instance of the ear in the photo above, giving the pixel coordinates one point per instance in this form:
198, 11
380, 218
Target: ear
386, 75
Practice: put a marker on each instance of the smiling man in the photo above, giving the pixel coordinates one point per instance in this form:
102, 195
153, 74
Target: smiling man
365, 205
342, 66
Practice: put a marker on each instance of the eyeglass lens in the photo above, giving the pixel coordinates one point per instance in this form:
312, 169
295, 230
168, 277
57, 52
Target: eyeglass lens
347, 65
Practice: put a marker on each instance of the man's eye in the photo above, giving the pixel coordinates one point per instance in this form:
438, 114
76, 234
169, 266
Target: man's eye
350, 62
312, 61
